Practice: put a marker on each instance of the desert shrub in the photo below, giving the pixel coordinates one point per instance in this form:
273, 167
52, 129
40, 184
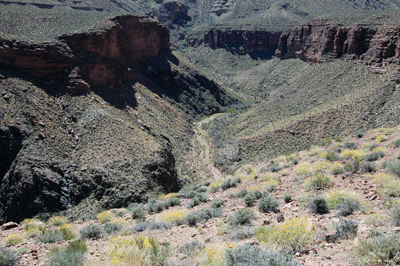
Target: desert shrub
248, 255
352, 154
77, 245
249, 200
206, 183
287, 198
318, 204
348, 206
188, 195
112, 228
377, 251
139, 212
32, 223
267, 204
346, 229
155, 206
321, 166
331, 156
360, 134
303, 169
33, 232
159, 225
368, 167
202, 215
105, 217
172, 201
393, 167
140, 227
214, 187
50, 236
337, 168
198, 199
214, 255
293, 234
241, 233
217, 203
276, 167
14, 239
388, 185
141, 250
396, 143
174, 217
337, 150
350, 146
336, 198
241, 217
376, 219
242, 193
192, 249
201, 190
64, 257
91, 231
395, 213
58, 220
66, 232
229, 183
373, 156
295, 161
319, 181
8, 257
257, 194
380, 138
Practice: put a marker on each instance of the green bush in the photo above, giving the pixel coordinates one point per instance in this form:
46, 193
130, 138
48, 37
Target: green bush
318, 204
242, 193
350, 146
63, 257
229, 183
8, 257
319, 181
217, 203
368, 167
202, 215
348, 206
360, 135
267, 204
287, 198
198, 199
346, 229
331, 156
257, 194
192, 249
248, 255
395, 213
49, 236
249, 200
241, 217
139, 212
77, 245
373, 156
377, 251
112, 228
396, 143
394, 167
91, 231
171, 202
241, 233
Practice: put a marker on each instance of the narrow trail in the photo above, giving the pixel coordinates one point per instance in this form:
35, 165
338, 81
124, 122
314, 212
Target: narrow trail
202, 152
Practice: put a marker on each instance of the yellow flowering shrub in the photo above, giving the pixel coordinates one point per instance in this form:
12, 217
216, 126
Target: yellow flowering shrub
214, 187
58, 220
167, 196
67, 231
336, 168
352, 154
337, 197
214, 254
376, 219
176, 216
14, 239
32, 223
294, 234
303, 169
137, 251
388, 185
105, 217
380, 138
321, 166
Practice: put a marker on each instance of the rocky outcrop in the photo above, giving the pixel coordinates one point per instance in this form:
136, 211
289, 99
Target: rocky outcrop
320, 40
238, 41
99, 56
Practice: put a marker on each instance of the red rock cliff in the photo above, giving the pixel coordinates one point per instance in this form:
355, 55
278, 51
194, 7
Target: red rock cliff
238, 41
99, 56
319, 40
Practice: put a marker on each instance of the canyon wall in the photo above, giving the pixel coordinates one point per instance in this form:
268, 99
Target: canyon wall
319, 40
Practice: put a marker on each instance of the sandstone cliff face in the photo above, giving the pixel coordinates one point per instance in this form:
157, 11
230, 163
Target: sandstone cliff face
320, 40
97, 57
238, 41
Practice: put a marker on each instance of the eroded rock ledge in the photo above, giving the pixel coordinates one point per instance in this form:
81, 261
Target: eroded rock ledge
99, 56
375, 46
